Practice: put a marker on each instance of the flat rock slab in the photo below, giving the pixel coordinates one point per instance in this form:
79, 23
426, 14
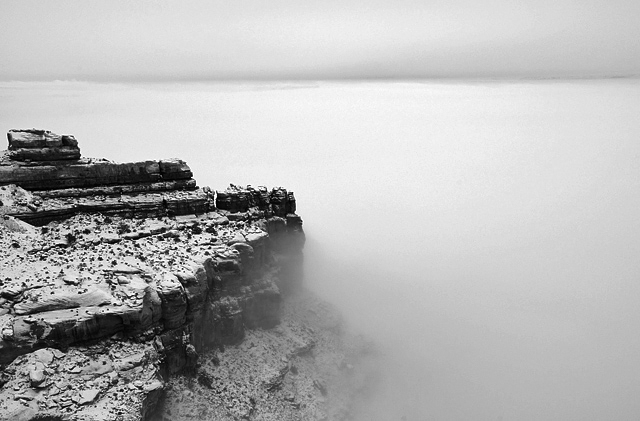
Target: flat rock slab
44, 355
45, 154
65, 300
88, 396
34, 138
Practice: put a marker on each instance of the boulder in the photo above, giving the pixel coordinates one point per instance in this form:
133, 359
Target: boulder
37, 375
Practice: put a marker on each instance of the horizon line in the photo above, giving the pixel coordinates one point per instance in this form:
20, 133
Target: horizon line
453, 78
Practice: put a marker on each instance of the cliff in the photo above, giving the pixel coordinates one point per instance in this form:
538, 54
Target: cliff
118, 279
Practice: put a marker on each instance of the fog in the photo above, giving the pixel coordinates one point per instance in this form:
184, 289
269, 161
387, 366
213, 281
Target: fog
171, 40
485, 235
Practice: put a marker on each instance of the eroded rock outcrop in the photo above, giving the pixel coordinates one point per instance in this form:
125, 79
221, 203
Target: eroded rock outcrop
102, 305
44, 179
41, 145
257, 201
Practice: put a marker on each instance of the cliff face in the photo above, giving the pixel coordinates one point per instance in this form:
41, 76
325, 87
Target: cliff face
137, 274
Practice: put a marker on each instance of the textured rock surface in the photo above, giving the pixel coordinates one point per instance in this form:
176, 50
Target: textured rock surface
127, 294
257, 201
41, 145
86, 173
181, 285
307, 368
94, 276
40, 182
114, 380
47, 207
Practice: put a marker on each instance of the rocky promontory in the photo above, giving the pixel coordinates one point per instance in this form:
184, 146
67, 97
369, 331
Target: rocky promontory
126, 292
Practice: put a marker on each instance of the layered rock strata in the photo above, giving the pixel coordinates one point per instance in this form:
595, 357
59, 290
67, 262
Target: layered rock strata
41, 145
58, 183
98, 310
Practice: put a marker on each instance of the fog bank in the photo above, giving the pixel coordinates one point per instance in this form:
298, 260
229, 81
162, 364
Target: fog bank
485, 235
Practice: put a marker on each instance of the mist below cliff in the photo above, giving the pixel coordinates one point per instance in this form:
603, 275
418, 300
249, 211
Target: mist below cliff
485, 235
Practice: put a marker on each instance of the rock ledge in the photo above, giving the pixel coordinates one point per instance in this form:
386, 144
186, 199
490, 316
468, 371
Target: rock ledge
116, 277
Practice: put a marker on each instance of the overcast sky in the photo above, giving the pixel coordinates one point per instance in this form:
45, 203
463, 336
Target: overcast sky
317, 39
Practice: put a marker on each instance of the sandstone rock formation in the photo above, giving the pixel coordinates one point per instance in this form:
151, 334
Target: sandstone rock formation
118, 277
50, 183
41, 145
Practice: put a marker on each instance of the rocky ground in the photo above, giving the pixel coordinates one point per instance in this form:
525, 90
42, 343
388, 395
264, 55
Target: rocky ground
307, 368
110, 380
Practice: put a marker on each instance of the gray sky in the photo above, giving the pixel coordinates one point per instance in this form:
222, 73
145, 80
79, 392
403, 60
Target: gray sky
317, 39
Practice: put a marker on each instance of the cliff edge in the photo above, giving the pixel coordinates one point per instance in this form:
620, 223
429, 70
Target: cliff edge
127, 292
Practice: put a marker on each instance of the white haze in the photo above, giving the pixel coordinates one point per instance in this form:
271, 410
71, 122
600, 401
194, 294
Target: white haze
317, 39
486, 235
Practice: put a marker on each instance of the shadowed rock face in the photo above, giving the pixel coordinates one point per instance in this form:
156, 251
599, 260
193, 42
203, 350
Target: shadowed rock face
91, 173
278, 202
103, 304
